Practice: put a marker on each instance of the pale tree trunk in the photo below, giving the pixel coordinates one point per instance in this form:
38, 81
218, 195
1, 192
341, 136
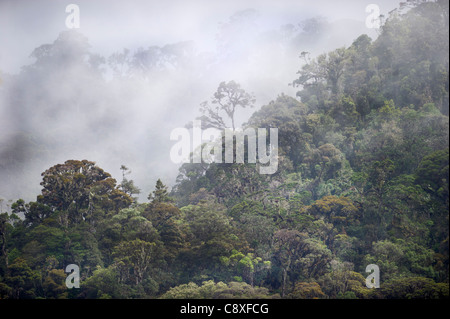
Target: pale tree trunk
285, 272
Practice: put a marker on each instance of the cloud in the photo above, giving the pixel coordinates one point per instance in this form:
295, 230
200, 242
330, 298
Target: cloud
64, 103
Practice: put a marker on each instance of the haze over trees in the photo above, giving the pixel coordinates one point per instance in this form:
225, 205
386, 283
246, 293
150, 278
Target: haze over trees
362, 179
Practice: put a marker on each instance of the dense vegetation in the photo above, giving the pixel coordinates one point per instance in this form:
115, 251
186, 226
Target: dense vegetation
362, 179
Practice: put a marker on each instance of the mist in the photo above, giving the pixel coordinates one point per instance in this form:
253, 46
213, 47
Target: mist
112, 90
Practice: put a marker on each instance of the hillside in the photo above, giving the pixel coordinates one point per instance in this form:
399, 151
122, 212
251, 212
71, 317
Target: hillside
362, 178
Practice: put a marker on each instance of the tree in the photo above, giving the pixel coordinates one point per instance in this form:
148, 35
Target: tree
54, 284
34, 212
76, 186
68, 50
285, 113
343, 282
340, 211
379, 174
324, 162
68, 184
127, 225
154, 60
228, 97
119, 62
327, 68
416, 68
247, 264
220, 290
6, 225
210, 236
411, 288
298, 250
163, 215
135, 256
307, 290
3, 228
362, 179
289, 245
160, 194
256, 227
127, 186
432, 174
22, 279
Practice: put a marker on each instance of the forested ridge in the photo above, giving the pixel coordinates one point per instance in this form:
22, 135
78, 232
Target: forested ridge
362, 179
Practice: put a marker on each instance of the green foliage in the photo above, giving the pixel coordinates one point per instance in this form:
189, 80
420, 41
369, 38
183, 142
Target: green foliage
133, 258
362, 179
103, 284
211, 290
76, 187
412, 288
307, 290
54, 284
160, 194
432, 174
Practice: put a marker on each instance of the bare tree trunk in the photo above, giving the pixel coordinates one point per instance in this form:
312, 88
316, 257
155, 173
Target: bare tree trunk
285, 272
284, 282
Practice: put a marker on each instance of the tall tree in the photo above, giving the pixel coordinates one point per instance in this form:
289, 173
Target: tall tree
228, 97
76, 186
160, 194
135, 257
288, 247
127, 186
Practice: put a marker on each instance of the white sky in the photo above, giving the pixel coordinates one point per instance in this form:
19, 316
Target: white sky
113, 25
